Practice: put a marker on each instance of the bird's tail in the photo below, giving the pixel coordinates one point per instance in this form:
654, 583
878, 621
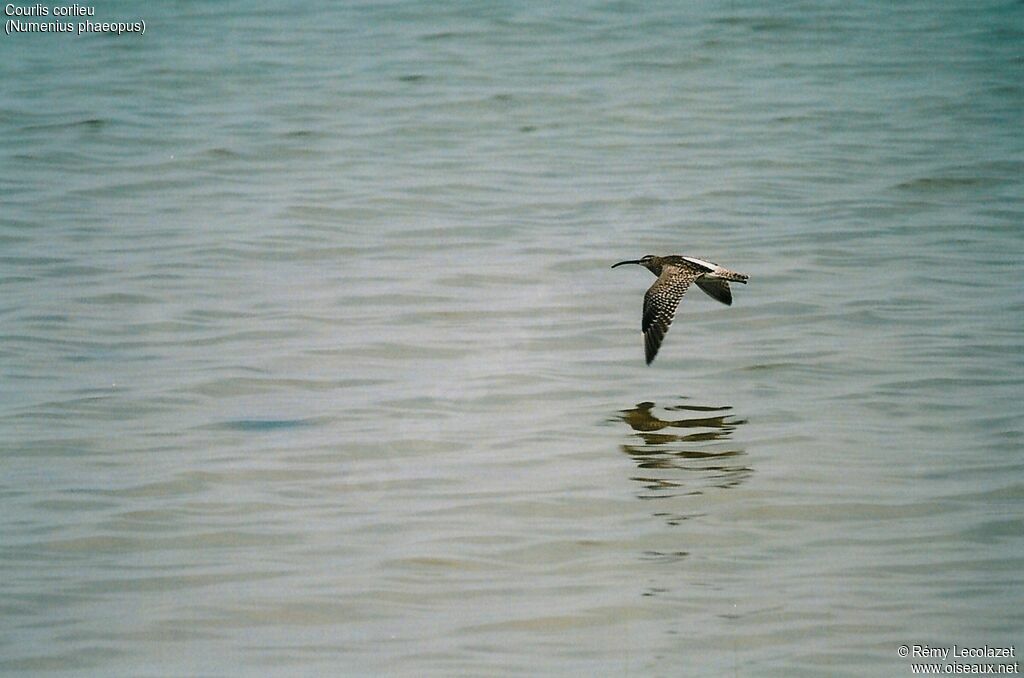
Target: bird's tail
731, 276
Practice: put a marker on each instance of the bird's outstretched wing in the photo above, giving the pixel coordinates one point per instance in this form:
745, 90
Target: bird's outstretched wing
660, 305
716, 288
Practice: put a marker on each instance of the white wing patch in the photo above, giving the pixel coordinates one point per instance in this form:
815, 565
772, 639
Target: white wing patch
700, 262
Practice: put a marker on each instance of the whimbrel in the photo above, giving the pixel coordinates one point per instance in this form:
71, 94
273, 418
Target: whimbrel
675, 273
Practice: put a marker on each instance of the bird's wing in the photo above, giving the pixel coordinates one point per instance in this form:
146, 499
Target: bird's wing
660, 304
716, 289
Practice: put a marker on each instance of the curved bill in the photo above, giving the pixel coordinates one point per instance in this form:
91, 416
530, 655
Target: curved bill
631, 261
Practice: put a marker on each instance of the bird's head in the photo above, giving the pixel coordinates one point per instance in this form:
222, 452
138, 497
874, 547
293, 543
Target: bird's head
650, 262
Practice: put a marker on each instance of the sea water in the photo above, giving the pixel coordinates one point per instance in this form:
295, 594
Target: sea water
312, 361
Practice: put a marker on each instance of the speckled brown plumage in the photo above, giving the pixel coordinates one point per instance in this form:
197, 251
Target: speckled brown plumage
675, 274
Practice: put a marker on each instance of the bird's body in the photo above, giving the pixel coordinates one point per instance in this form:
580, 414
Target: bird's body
675, 274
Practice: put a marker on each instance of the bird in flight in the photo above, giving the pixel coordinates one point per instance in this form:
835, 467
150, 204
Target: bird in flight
675, 273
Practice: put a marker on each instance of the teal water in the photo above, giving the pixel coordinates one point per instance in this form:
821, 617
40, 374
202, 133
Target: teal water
312, 361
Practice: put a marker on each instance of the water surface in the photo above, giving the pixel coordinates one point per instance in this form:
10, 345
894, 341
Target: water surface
312, 361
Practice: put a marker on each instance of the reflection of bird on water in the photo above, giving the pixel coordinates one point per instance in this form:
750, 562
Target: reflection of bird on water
641, 420
675, 273
693, 458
